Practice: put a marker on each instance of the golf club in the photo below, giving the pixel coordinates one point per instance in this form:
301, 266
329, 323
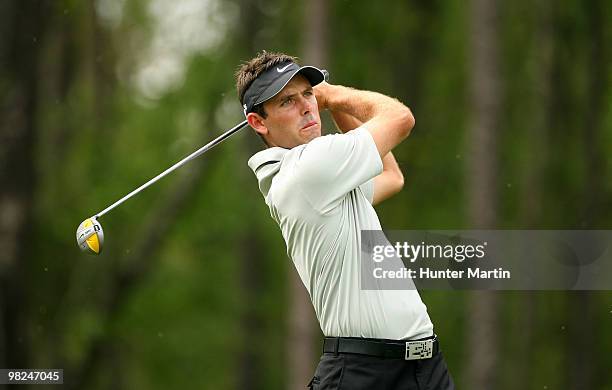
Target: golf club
89, 234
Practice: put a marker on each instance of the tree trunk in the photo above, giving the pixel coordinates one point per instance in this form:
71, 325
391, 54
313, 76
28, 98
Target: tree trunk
482, 329
251, 322
583, 324
20, 43
249, 367
533, 176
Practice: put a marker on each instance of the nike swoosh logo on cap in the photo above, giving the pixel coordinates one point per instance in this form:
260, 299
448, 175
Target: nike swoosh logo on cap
281, 70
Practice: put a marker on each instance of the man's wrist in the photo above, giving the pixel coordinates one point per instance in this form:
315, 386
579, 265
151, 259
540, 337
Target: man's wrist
356, 103
322, 92
334, 95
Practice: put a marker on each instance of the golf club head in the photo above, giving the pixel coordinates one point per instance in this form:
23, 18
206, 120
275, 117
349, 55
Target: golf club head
90, 236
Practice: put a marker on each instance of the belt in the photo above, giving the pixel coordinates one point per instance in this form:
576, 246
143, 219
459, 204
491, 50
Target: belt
407, 350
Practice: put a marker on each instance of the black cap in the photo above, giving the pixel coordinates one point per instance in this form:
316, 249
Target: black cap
273, 80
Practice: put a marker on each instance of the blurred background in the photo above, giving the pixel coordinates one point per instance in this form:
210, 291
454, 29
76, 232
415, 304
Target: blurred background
513, 106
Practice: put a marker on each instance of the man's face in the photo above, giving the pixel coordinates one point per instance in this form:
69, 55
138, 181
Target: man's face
292, 115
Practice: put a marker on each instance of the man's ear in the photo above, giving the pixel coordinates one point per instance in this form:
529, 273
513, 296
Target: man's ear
257, 123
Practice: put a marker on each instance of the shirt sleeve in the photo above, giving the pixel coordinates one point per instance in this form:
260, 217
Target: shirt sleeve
331, 166
368, 190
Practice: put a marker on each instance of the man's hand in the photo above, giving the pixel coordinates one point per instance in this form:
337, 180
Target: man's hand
321, 91
344, 122
387, 119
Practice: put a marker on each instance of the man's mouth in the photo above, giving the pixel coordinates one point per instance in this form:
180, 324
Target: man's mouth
309, 124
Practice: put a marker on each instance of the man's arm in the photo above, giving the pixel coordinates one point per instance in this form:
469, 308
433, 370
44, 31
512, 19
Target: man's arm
391, 180
387, 119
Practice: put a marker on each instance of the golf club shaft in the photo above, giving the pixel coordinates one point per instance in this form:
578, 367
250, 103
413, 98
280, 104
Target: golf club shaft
193, 155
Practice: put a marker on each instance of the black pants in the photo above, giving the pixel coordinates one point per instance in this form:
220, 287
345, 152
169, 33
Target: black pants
357, 372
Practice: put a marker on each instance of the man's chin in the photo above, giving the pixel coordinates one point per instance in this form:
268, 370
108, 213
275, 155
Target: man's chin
311, 136
310, 133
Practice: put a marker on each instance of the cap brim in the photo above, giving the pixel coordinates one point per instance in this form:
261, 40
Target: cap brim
313, 74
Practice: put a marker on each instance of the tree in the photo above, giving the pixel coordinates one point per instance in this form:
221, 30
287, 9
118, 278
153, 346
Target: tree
20, 48
482, 330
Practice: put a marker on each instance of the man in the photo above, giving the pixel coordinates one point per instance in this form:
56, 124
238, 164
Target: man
320, 191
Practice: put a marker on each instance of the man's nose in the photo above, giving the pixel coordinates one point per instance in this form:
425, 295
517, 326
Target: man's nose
305, 106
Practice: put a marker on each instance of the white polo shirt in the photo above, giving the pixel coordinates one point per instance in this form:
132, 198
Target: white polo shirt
320, 194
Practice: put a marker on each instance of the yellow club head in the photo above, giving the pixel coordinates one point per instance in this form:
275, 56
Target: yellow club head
90, 236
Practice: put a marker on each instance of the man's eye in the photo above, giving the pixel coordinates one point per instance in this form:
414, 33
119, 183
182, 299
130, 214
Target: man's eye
286, 101
308, 93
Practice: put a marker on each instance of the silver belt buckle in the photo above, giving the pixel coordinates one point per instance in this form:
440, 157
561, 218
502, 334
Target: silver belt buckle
416, 350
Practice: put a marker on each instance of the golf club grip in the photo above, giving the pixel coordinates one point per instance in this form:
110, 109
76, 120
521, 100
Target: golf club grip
182, 162
325, 74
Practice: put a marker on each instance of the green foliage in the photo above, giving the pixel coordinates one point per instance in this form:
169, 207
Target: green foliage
192, 312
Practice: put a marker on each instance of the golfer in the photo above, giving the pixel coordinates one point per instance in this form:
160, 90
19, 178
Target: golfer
320, 190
